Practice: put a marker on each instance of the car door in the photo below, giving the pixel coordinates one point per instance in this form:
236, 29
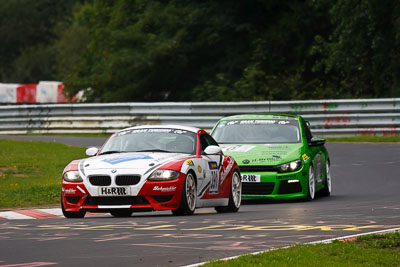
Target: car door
316, 155
211, 167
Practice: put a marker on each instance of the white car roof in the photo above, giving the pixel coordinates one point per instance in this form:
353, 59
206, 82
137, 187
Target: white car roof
166, 126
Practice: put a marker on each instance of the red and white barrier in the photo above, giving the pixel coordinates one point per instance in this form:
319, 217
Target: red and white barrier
43, 92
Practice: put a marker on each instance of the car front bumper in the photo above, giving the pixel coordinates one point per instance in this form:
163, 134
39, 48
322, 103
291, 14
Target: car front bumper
153, 195
275, 185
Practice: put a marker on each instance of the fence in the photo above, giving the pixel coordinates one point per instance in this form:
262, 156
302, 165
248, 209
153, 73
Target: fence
327, 117
43, 92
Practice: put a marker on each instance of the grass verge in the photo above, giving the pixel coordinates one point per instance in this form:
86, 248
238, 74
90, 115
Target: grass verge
368, 250
30, 171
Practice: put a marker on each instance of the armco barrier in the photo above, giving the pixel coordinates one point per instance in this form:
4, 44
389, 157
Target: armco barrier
327, 117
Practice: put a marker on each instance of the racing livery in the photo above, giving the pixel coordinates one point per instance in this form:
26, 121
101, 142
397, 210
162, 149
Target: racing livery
277, 155
149, 168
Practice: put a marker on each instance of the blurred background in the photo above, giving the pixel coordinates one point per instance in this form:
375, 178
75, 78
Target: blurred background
179, 50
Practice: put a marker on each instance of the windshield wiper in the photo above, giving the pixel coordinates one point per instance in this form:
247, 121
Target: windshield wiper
111, 152
153, 150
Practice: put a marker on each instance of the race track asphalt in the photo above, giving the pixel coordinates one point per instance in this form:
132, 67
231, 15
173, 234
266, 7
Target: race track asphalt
365, 198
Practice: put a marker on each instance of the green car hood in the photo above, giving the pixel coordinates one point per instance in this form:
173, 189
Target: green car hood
262, 154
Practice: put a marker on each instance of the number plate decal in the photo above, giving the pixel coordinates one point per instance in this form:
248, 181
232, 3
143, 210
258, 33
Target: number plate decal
251, 178
214, 183
114, 191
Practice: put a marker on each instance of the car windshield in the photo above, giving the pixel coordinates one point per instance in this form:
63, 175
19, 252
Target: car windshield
151, 140
257, 131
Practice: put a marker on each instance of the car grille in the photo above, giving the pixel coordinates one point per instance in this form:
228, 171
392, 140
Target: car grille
257, 188
127, 179
257, 168
121, 180
115, 201
100, 180
289, 188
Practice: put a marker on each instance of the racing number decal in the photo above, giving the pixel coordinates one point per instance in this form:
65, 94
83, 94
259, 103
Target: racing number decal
214, 183
214, 177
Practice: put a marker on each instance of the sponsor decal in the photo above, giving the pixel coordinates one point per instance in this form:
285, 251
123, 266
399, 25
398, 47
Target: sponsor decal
189, 162
175, 131
69, 191
245, 161
251, 178
232, 122
273, 153
117, 160
180, 132
305, 157
113, 191
228, 168
164, 189
283, 147
257, 122
199, 169
274, 158
213, 165
238, 148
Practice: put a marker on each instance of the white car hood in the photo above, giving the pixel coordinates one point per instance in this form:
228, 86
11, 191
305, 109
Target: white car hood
133, 160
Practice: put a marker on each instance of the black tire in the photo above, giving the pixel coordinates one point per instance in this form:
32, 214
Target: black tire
121, 213
187, 204
235, 196
72, 214
311, 183
328, 181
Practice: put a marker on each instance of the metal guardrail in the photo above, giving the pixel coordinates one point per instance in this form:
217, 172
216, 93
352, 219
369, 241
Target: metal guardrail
327, 117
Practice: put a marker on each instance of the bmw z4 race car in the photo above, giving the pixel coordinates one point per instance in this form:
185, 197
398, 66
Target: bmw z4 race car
277, 155
149, 168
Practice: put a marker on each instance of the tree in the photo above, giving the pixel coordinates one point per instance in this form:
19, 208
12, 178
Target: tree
26, 30
361, 56
182, 50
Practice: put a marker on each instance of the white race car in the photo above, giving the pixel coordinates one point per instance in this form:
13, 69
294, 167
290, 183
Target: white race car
148, 168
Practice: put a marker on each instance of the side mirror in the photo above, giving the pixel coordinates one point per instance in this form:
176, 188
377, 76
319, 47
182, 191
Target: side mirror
213, 150
315, 141
92, 151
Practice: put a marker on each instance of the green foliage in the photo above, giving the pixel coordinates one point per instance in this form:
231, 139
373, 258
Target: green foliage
26, 30
212, 50
177, 50
360, 58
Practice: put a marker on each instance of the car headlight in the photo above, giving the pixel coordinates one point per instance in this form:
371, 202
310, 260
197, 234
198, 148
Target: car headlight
163, 175
290, 166
72, 176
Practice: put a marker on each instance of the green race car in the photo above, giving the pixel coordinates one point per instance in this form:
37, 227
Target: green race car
277, 155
